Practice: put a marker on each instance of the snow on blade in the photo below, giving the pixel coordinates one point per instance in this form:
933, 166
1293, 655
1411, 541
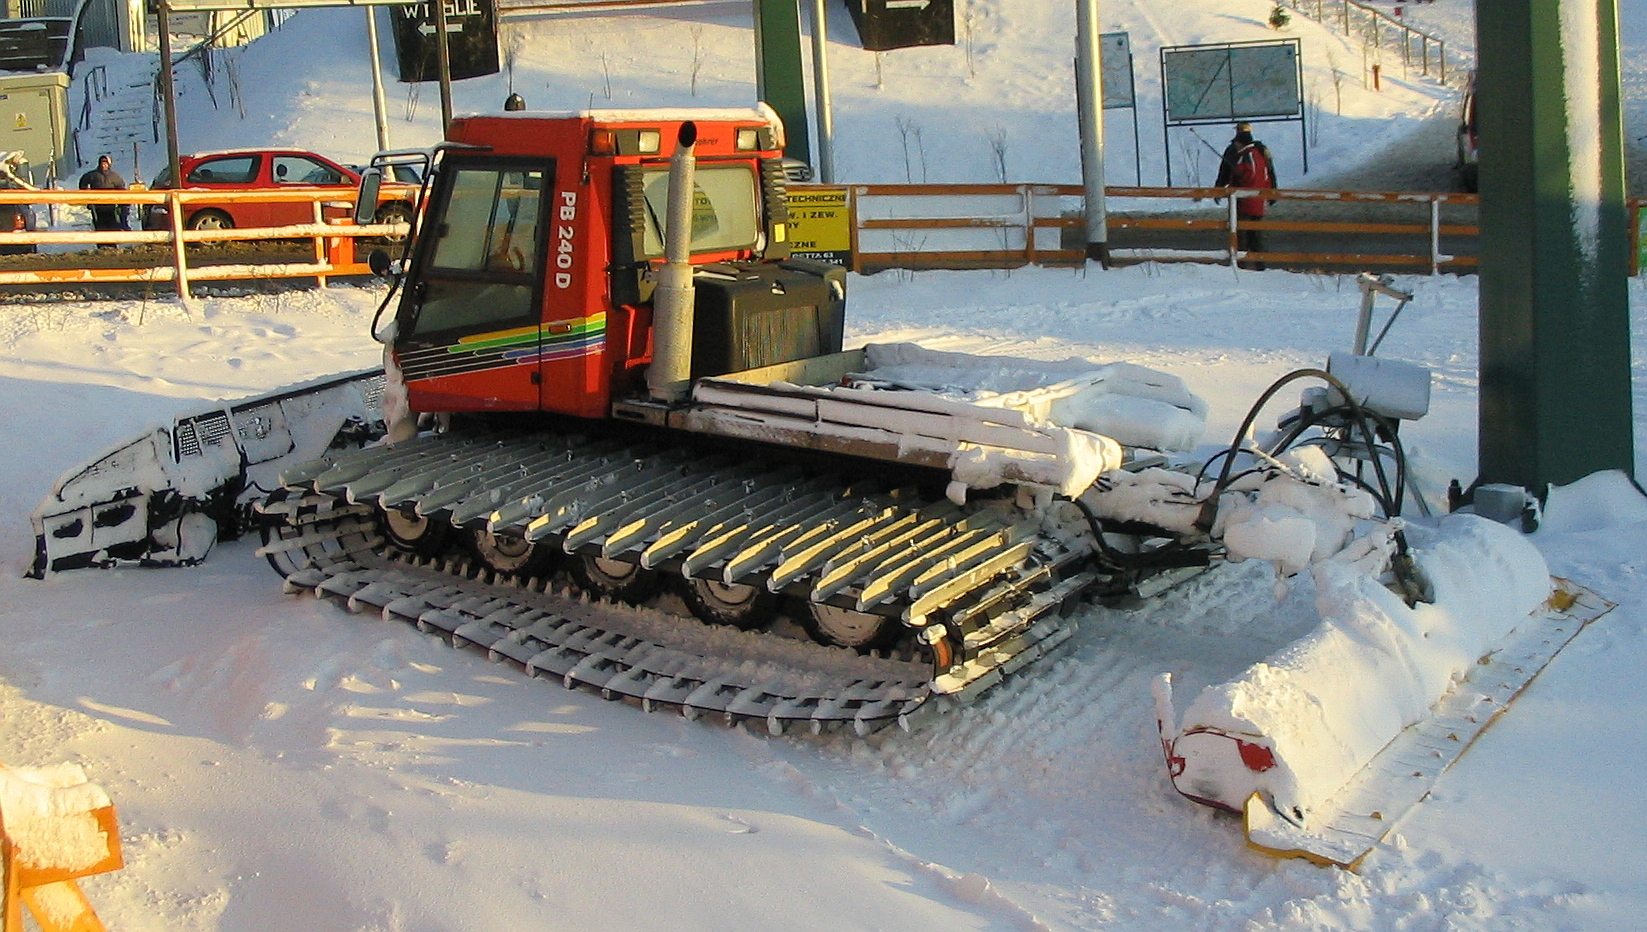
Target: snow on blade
1297, 726
48, 814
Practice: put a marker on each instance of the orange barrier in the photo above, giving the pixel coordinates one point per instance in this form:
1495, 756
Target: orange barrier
42, 855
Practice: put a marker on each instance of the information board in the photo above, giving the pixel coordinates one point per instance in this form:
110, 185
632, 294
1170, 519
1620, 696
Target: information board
1230, 82
820, 224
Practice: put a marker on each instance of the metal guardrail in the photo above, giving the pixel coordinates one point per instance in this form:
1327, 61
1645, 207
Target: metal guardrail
333, 238
1377, 23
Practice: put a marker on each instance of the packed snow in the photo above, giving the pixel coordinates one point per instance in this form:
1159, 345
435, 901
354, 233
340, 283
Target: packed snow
278, 762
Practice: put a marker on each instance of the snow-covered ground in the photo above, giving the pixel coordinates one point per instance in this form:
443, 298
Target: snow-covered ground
279, 763
276, 760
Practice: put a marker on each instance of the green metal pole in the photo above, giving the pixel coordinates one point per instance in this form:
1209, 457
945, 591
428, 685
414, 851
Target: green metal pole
778, 77
1555, 317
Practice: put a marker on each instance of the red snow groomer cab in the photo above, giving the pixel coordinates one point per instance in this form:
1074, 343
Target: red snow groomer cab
530, 289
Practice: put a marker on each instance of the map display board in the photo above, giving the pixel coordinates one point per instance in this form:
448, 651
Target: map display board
1232, 81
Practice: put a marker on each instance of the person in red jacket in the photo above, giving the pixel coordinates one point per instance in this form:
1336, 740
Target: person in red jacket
1247, 164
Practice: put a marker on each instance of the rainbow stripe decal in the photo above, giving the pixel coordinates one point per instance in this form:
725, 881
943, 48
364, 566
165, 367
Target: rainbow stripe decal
522, 346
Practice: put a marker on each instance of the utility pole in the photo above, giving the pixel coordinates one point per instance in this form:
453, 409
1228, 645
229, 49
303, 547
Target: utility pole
443, 56
820, 93
778, 79
1555, 317
1089, 74
380, 108
163, 16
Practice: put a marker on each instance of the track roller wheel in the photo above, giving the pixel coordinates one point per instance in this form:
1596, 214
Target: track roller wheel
719, 603
327, 536
615, 579
414, 534
275, 528
511, 555
843, 627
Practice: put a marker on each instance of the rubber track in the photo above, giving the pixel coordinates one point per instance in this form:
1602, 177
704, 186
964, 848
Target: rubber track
1001, 607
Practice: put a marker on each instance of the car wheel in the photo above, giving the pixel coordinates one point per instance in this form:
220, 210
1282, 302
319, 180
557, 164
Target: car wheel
210, 219
395, 212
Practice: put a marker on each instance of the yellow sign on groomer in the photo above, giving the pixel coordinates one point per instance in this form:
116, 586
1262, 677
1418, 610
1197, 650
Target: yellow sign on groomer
820, 224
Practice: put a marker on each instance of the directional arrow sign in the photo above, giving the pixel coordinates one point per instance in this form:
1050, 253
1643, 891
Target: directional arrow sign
428, 29
908, 4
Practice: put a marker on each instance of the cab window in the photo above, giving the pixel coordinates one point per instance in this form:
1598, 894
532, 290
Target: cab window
725, 208
482, 267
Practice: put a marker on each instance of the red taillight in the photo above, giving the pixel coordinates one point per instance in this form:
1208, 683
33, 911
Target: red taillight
18, 224
1257, 757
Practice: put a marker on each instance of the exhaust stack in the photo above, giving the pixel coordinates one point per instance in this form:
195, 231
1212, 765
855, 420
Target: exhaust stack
670, 377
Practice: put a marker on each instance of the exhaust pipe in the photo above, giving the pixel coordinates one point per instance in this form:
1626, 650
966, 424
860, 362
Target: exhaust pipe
670, 377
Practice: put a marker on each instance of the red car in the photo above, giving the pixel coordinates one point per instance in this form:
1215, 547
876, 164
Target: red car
261, 170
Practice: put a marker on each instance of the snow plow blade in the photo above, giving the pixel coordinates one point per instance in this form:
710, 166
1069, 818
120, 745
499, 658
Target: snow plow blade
166, 497
1325, 746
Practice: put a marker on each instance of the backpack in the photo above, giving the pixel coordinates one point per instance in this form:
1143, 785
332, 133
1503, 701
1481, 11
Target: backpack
1252, 168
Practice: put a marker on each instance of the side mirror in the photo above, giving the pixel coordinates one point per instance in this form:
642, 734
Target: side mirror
380, 263
366, 205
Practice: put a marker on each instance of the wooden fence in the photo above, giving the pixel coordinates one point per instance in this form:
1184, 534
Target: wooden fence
333, 238
929, 226
890, 227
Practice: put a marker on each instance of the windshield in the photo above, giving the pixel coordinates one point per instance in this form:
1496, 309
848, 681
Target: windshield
725, 208
482, 266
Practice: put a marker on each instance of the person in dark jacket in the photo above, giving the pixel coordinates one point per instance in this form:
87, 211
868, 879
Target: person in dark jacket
1247, 164
105, 178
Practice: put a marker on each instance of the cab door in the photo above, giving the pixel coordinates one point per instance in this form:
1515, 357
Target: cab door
469, 328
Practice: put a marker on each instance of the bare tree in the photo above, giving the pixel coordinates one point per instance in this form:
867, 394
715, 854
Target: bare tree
967, 20
696, 32
1337, 81
907, 129
998, 150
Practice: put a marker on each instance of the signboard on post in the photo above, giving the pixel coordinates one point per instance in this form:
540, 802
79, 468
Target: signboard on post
471, 38
1231, 82
898, 24
1115, 59
820, 224
1120, 90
